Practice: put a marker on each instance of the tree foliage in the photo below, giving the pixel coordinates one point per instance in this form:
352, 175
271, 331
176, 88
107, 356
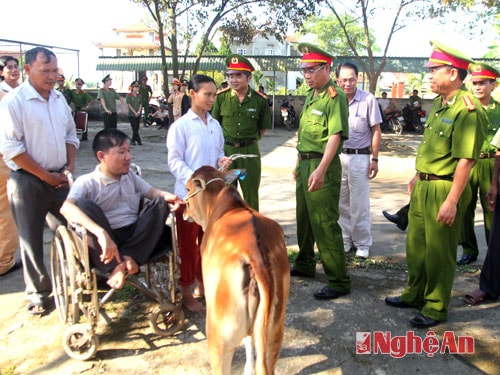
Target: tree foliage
239, 18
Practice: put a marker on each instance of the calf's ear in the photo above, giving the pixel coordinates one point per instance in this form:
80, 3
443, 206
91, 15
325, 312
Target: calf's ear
233, 174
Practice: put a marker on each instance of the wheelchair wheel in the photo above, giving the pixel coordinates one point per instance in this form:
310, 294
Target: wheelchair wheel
60, 278
166, 320
72, 270
80, 342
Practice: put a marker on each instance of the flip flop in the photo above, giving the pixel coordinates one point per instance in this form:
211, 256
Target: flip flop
476, 297
36, 308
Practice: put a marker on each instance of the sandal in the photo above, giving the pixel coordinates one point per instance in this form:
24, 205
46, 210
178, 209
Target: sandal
476, 297
36, 308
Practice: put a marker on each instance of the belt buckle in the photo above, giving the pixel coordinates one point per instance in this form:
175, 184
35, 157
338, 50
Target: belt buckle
237, 144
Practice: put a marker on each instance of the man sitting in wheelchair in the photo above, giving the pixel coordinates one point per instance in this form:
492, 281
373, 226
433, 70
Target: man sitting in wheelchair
107, 201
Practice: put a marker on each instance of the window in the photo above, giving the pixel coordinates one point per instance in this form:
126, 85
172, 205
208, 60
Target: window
269, 52
241, 51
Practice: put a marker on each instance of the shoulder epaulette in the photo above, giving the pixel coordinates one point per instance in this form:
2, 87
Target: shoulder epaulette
223, 90
261, 94
332, 92
469, 104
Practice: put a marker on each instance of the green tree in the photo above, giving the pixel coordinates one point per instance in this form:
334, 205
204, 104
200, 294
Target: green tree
331, 37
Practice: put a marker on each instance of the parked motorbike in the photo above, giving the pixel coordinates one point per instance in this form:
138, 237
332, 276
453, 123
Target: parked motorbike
288, 114
153, 107
422, 118
395, 121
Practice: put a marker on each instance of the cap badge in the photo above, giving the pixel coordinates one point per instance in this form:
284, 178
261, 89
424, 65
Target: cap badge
234, 60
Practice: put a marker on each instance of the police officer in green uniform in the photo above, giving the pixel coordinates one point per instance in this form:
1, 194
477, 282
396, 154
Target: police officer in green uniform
146, 92
324, 125
453, 137
484, 80
81, 100
244, 116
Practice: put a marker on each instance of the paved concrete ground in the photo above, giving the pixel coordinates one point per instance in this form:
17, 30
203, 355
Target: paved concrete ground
320, 337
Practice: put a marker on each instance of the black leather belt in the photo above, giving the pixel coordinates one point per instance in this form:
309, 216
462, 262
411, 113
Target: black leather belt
48, 170
242, 143
310, 155
433, 177
487, 155
361, 151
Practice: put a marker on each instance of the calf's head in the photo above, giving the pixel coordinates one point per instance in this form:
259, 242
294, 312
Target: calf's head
203, 187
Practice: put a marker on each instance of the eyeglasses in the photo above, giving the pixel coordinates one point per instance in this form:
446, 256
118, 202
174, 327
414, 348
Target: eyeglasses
346, 81
312, 70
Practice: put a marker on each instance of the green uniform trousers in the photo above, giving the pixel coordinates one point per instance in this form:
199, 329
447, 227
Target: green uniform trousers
431, 248
479, 180
317, 221
250, 184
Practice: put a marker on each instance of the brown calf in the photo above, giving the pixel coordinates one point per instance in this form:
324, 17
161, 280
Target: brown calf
245, 271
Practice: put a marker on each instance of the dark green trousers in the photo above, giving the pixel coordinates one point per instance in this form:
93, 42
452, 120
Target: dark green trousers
250, 184
479, 181
431, 248
317, 222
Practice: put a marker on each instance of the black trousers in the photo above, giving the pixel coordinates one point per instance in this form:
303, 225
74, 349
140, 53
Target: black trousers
134, 123
110, 120
142, 240
489, 281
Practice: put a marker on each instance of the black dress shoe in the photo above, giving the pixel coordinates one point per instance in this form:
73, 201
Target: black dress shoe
327, 293
401, 224
294, 272
396, 302
466, 259
422, 321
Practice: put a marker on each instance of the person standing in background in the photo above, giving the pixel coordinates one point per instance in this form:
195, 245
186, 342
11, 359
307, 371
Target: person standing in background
108, 97
134, 104
9, 240
82, 101
484, 80
146, 92
63, 89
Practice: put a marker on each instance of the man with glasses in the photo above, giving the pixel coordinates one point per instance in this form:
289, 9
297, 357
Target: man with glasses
244, 116
322, 129
440, 191
357, 168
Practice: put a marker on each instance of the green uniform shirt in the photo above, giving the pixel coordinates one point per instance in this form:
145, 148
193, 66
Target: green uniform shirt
453, 131
145, 93
241, 120
110, 97
322, 116
80, 99
493, 112
135, 102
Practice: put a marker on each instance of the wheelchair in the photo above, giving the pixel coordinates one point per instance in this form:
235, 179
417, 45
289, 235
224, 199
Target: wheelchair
78, 298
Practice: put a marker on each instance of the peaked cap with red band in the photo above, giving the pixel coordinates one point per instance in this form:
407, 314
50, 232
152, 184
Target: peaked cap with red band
444, 55
238, 64
312, 54
482, 71
176, 81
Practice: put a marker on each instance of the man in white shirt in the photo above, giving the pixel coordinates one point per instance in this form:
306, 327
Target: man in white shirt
357, 168
38, 142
